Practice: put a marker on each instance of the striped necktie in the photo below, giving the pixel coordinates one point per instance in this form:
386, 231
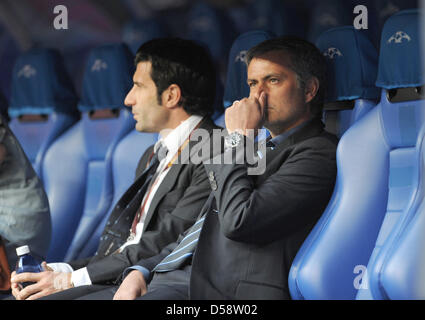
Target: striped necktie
184, 250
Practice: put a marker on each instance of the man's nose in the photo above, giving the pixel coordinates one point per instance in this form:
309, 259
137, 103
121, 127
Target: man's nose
129, 101
260, 88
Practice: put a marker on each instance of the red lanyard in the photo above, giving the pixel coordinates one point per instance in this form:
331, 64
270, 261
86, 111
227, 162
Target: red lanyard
156, 176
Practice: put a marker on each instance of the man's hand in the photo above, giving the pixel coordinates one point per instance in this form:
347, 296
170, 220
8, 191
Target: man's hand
248, 113
133, 286
46, 283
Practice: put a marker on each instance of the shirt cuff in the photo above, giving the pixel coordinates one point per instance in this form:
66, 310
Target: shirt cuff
60, 267
146, 273
80, 277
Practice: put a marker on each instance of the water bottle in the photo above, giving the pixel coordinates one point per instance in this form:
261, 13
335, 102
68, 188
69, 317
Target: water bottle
26, 263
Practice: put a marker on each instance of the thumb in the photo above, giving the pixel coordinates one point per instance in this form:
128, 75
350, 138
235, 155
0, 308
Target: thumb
262, 99
45, 266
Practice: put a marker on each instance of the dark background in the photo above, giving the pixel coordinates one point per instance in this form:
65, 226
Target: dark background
28, 23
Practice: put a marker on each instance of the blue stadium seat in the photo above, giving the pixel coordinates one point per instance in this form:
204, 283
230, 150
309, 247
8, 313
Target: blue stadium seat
41, 87
124, 163
236, 86
137, 32
77, 169
270, 15
374, 181
400, 39
211, 27
8, 55
398, 270
327, 14
352, 64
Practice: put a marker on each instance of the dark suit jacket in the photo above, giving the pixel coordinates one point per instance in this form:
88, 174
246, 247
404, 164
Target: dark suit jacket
174, 208
245, 250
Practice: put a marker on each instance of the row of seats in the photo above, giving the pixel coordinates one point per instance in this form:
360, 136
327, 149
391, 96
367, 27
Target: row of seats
88, 165
367, 244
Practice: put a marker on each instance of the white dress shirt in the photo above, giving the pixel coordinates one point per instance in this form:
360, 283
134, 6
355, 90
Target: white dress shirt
173, 141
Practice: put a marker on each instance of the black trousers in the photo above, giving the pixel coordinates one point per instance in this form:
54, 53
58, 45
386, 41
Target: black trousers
172, 285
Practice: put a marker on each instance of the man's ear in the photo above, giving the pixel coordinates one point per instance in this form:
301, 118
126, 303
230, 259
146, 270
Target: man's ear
171, 96
311, 89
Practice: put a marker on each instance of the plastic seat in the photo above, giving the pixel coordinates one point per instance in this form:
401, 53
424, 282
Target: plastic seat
137, 32
406, 178
43, 103
211, 27
78, 167
327, 14
374, 180
398, 270
8, 55
124, 163
348, 98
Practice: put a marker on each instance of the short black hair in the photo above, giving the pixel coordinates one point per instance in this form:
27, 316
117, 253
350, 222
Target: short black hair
186, 64
306, 61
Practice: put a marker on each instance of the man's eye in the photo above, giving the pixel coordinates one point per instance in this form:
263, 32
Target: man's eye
251, 84
274, 80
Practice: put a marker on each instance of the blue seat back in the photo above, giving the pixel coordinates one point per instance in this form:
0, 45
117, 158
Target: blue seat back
400, 39
41, 86
78, 166
210, 26
270, 15
137, 32
399, 272
327, 14
8, 55
348, 51
374, 152
124, 163
397, 269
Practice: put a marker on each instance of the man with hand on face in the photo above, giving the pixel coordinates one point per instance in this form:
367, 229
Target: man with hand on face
252, 226
173, 94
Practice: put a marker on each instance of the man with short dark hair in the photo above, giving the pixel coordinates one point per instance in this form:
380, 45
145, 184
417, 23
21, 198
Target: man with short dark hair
251, 227
173, 94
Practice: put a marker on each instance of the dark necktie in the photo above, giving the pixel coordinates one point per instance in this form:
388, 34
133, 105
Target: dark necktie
150, 171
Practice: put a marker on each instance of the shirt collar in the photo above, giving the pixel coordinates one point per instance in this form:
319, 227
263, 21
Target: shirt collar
174, 140
282, 137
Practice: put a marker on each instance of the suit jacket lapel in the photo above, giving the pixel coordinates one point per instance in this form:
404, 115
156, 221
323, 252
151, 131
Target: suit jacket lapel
173, 174
133, 189
310, 130
165, 187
